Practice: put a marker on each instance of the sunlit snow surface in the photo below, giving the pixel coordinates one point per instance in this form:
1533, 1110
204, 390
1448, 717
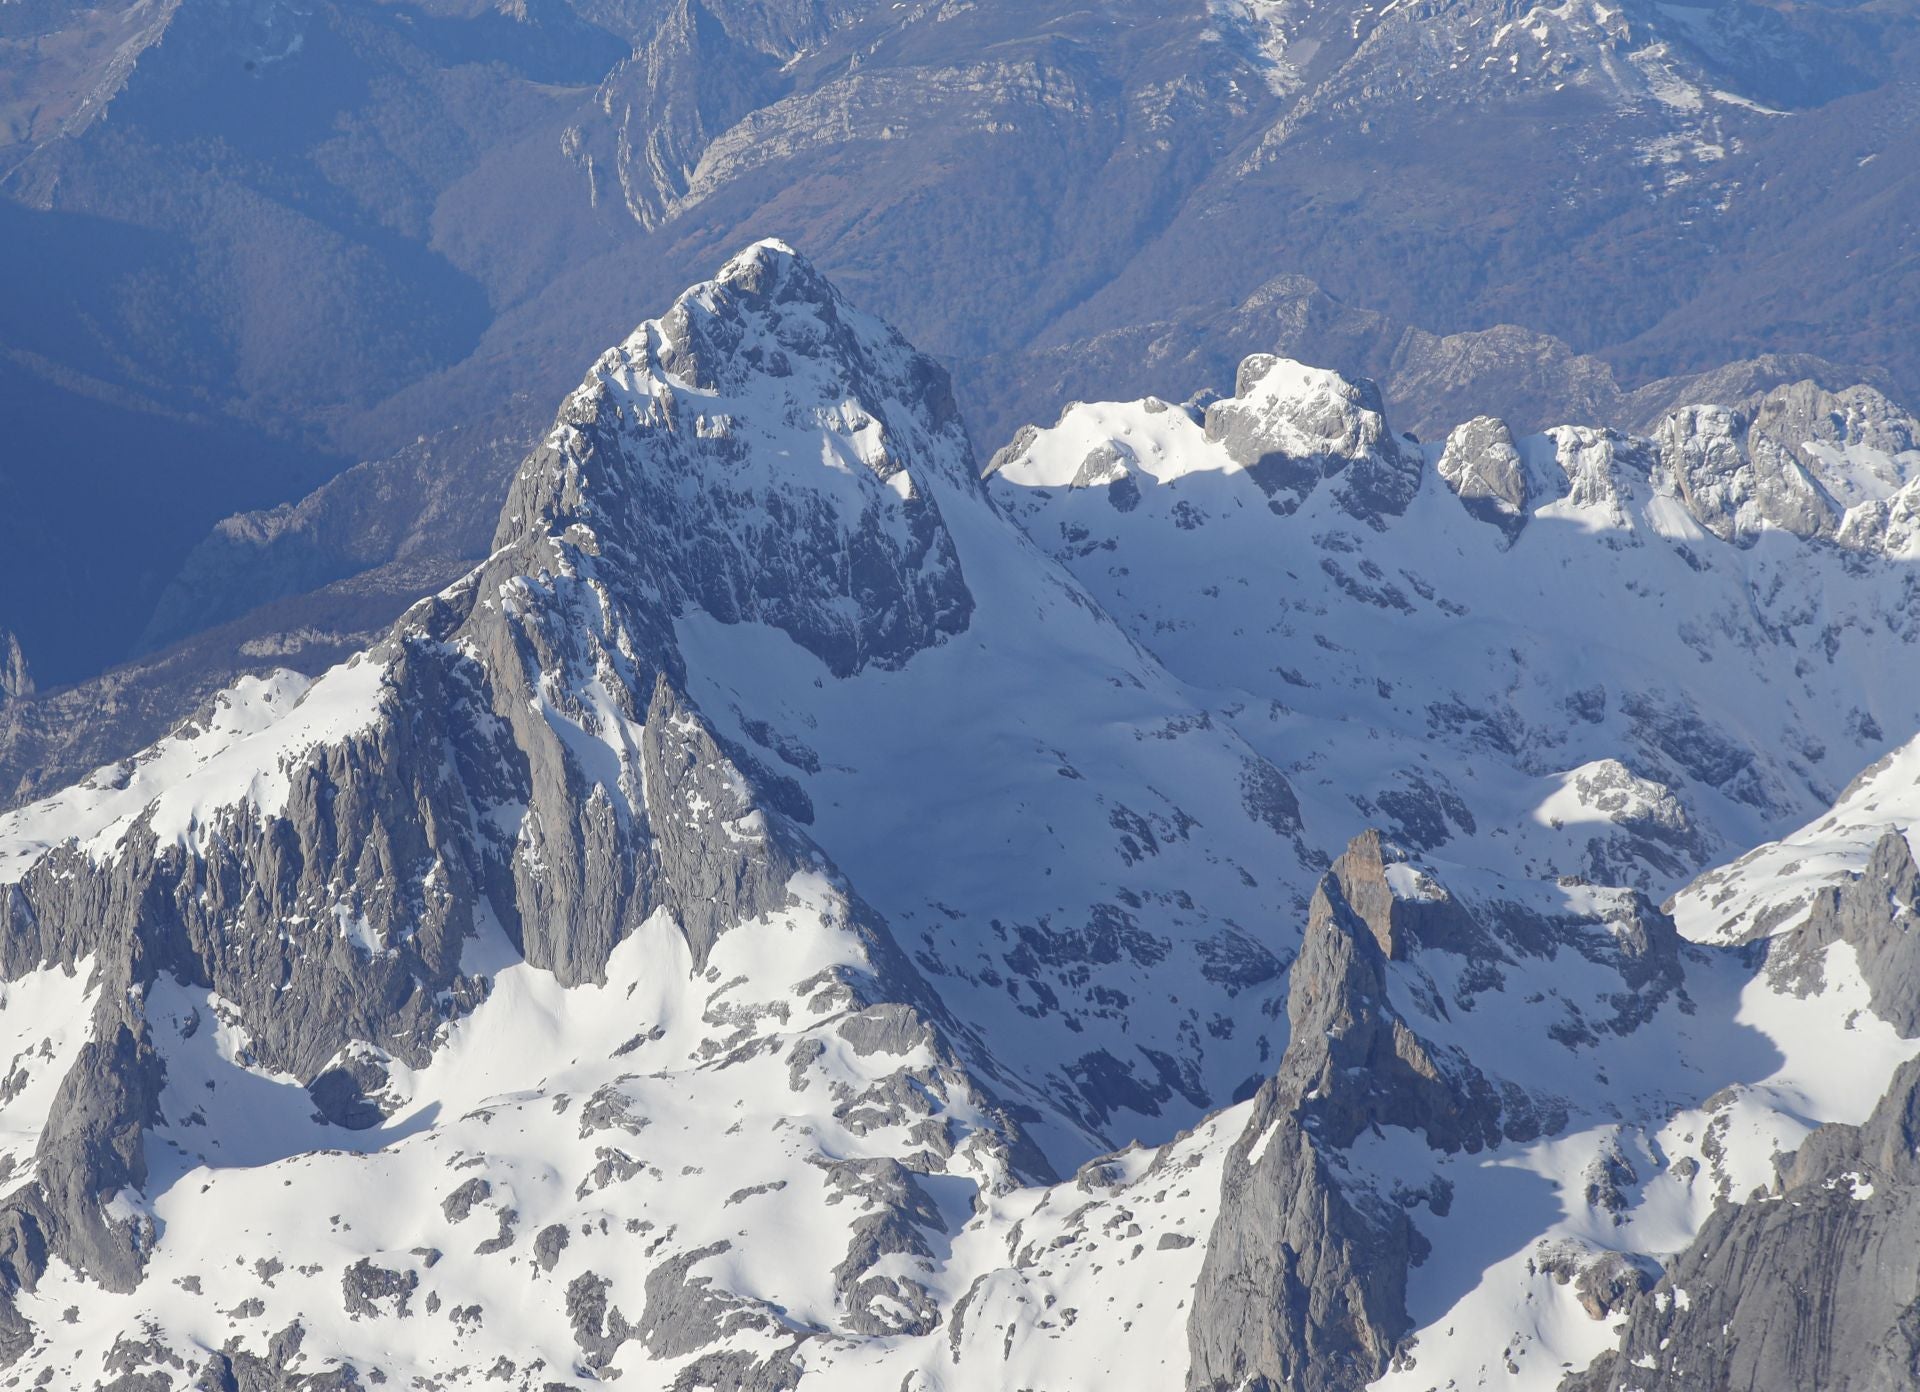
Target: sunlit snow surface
1769, 890
1616, 697
1618, 694
238, 756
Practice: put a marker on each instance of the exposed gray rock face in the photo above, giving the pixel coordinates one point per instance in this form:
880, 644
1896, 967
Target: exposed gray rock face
736, 1370
684, 1313
56, 737
1304, 1282
350, 1092
1738, 485
1800, 458
598, 1328
91, 1165
1303, 1287
527, 755
702, 69
378, 828
1813, 1285
1344, 1028
15, 680
234, 1369
902, 1218
549, 1243
1813, 425
1483, 468
1878, 913
670, 454
1651, 826
1291, 428
84, 1201
705, 805
457, 1205
365, 1287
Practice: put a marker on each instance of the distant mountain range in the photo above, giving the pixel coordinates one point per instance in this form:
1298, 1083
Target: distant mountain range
252, 242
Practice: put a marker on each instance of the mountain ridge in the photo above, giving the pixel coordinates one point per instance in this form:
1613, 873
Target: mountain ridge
781, 763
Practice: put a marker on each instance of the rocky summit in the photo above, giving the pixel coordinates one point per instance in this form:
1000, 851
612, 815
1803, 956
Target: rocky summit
1222, 896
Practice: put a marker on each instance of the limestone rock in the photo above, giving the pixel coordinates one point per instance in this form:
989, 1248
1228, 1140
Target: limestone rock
1483, 468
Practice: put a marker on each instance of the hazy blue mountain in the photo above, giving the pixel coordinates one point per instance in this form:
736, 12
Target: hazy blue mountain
275, 238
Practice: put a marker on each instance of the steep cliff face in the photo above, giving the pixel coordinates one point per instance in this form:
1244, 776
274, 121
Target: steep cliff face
15, 680
1315, 1241
798, 913
1804, 1284
1304, 1283
1807, 1284
754, 454
1873, 913
336, 868
1795, 459
612, 763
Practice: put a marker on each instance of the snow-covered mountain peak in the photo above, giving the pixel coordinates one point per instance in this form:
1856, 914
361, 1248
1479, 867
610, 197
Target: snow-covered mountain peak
1288, 428
1291, 426
354, 908
764, 451
691, 946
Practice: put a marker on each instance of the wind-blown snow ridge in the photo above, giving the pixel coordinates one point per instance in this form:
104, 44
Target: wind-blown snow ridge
1768, 890
238, 756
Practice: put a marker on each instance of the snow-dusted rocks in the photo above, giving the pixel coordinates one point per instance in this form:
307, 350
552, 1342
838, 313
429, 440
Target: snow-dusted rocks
759, 509
1481, 464
797, 915
1808, 1284
1772, 889
342, 871
1797, 459
1736, 489
1289, 427
1597, 683
763, 452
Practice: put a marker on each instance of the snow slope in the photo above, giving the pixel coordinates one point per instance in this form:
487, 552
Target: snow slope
799, 914
1593, 684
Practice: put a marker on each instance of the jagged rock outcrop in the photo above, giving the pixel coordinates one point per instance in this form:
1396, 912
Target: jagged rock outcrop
335, 918
547, 815
1291, 427
678, 456
520, 751
1797, 458
1304, 1285
1305, 1277
1483, 467
15, 680
1342, 1027
1876, 912
1855, 441
700, 70
1811, 1285
1738, 485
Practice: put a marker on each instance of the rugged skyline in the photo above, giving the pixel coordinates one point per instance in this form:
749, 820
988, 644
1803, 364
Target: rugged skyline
943, 696
940, 834
254, 243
